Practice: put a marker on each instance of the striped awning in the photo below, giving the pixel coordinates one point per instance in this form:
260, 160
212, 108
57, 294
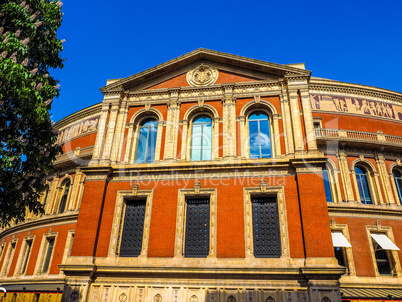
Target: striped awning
386, 294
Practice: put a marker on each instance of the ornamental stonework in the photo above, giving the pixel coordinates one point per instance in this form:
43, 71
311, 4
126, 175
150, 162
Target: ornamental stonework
355, 106
202, 75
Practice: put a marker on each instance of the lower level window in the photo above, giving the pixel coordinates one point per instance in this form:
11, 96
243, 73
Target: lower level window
197, 228
48, 256
266, 234
133, 228
382, 259
340, 255
383, 247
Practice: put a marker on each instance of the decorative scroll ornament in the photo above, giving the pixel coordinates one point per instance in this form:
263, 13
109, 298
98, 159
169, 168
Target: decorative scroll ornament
202, 75
157, 298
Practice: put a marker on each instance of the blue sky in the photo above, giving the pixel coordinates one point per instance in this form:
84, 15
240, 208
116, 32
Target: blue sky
352, 41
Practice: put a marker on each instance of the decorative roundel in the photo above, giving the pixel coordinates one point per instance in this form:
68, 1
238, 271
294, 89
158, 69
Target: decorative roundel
194, 298
74, 296
157, 298
123, 297
202, 75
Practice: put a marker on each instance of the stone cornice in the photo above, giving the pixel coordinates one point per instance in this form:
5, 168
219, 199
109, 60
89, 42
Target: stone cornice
356, 209
214, 92
206, 54
46, 221
319, 85
94, 109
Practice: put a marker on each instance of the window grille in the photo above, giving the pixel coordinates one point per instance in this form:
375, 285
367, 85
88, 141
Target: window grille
266, 232
197, 228
131, 238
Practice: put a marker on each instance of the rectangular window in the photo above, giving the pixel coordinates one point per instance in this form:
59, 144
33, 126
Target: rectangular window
266, 234
197, 228
383, 246
48, 255
26, 255
133, 228
340, 242
8, 258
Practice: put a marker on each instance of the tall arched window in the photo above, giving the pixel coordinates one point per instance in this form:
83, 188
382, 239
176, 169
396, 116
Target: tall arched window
259, 135
327, 184
398, 183
201, 138
64, 196
363, 184
146, 141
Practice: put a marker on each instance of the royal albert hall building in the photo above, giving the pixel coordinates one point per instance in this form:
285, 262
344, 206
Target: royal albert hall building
218, 178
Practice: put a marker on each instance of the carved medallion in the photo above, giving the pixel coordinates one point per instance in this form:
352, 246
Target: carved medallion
74, 296
202, 75
194, 298
157, 298
123, 297
231, 299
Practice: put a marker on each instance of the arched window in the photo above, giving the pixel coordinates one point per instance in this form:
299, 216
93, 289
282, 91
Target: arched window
201, 138
64, 196
398, 183
146, 141
327, 184
259, 135
362, 178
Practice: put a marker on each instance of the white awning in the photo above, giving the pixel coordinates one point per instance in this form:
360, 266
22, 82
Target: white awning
384, 242
339, 240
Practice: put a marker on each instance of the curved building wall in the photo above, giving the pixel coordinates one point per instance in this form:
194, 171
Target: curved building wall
276, 183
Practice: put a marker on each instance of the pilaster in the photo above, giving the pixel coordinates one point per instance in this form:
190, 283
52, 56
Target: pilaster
229, 123
114, 110
101, 133
296, 120
118, 140
378, 187
385, 179
172, 125
308, 120
345, 176
287, 122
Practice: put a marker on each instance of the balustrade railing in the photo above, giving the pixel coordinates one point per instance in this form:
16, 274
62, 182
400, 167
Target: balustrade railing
358, 135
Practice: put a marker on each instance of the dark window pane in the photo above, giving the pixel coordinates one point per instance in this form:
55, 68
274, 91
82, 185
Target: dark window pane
197, 228
339, 256
381, 256
63, 200
26, 256
49, 251
131, 238
266, 231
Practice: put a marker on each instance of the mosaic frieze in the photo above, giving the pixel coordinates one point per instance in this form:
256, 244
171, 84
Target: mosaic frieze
78, 129
355, 106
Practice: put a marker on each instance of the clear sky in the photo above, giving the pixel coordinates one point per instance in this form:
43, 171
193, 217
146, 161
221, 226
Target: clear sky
357, 41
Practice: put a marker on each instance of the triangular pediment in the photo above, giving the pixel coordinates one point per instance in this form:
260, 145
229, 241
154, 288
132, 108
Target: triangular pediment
230, 69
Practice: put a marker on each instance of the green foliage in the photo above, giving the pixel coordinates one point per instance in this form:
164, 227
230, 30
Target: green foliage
29, 48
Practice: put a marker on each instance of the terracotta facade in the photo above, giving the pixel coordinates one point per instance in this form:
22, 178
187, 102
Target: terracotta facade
320, 133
